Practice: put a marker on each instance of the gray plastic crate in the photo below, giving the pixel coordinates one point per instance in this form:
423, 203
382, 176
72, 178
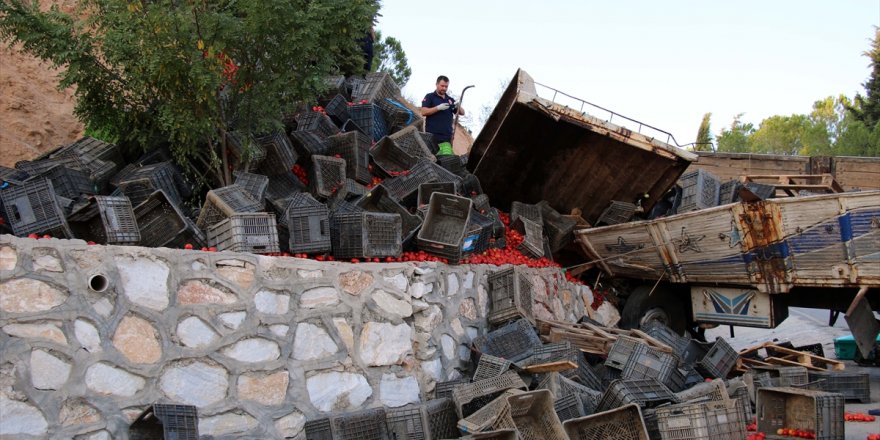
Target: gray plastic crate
699, 190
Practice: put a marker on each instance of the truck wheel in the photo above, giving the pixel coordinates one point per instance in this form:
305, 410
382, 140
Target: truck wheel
663, 306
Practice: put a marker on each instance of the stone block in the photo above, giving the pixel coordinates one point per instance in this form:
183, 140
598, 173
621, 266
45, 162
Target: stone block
144, 281
24, 295
319, 297
238, 272
384, 344
20, 419
399, 281
429, 319
309, 274
8, 258
391, 306
198, 292
468, 309
106, 379
87, 335
47, 371
48, 262
448, 345
195, 333
290, 425
395, 392
279, 330
137, 340
77, 412
345, 333
253, 350
196, 383
232, 319
272, 303
50, 331
312, 342
227, 424
265, 389
451, 284
337, 391
355, 282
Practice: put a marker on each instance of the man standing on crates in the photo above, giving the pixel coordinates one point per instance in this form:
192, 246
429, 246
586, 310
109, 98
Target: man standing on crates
438, 108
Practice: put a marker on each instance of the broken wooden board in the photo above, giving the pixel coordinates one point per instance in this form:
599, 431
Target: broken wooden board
550, 367
789, 357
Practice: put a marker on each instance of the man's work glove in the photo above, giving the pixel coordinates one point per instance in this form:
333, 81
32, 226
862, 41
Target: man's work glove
442, 107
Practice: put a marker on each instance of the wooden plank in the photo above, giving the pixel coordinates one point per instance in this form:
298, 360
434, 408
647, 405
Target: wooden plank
550, 367
786, 362
651, 341
811, 356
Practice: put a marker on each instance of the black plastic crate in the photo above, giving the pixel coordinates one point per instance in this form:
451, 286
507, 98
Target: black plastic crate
377, 199
515, 341
364, 424
316, 122
32, 208
531, 212
255, 184
617, 212
720, 359
12, 175
699, 190
481, 203
369, 119
378, 85
140, 183
428, 138
760, 191
280, 155
353, 85
479, 233
490, 366
728, 192
245, 153
319, 429
309, 143
620, 352
510, 296
90, 148
787, 407
564, 351
308, 224
441, 418
623, 423
406, 423
559, 228
533, 237
37, 167
562, 386
253, 232
327, 176
112, 221
408, 140
335, 84
283, 186
405, 187
391, 159
646, 361
452, 163
666, 335
470, 397
397, 115
162, 224
354, 147
426, 189
363, 234
444, 389
647, 393
853, 386
337, 109
68, 182
533, 414
221, 203
444, 226
166, 421
470, 185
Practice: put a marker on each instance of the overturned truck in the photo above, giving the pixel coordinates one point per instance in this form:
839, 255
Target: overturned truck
738, 264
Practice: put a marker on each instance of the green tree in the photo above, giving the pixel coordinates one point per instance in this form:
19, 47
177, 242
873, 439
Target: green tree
389, 57
780, 135
736, 138
184, 73
704, 135
867, 108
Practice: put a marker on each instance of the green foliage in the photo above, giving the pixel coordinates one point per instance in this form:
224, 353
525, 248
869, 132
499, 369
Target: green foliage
780, 135
704, 134
389, 57
183, 73
736, 138
867, 108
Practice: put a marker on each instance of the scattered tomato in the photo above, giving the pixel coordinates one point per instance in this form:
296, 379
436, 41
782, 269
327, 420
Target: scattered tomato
188, 246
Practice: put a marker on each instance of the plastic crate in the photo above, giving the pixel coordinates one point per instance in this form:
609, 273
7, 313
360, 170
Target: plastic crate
479, 232
531, 212
283, 186
351, 190
481, 203
90, 149
365, 234
165, 421
515, 341
490, 366
559, 229
308, 224
280, 155
12, 175
364, 424
245, 153
561, 387
405, 188
743, 401
316, 122
616, 213
648, 393
728, 192
32, 208
486, 417
255, 184
791, 376
162, 224
533, 415
853, 386
533, 237
327, 176
699, 190
353, 85
141, 182
428, 138
564, 351
444, 226
440, 418
623, 423
68, 182
337, 109
683, 422
37, 167
378, 200
786, 407
568, 407
319, 429
354, 147
335, 84
712, 390
510, 296
111, 221
470, 185
377, 86
309, 143
369, 120
666, 335
452, 163
223, 202
620, 352
391, 159
725, 420
408, 140
426, 189
256, 233
406, 423
760, 190
397, 115
646, 361
470, 397
720, 359
444, 389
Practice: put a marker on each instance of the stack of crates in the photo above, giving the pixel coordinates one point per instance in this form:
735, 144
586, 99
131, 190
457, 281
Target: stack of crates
647, 393
378, 86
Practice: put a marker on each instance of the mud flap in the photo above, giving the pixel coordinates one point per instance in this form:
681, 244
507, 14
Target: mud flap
862, 324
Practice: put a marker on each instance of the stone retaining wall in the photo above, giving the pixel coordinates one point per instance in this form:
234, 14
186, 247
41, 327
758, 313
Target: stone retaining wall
92, 334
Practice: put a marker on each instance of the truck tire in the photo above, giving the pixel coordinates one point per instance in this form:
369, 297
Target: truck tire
662, 305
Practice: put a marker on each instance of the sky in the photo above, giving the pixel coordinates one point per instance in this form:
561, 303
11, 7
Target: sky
662, 62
